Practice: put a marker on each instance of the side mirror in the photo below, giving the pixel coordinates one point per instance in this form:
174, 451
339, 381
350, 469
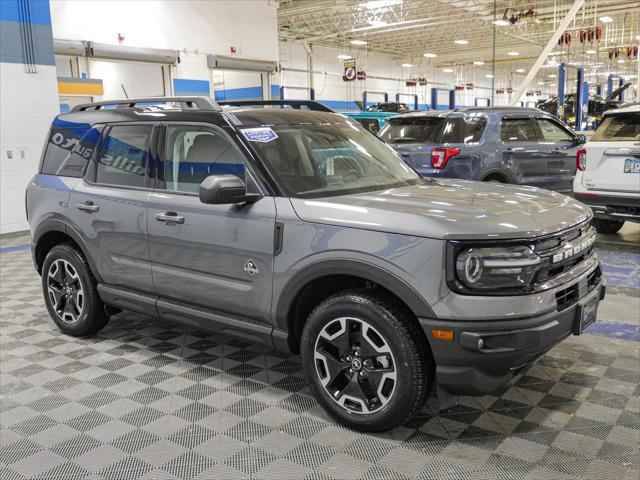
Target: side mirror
224, 189
581, 139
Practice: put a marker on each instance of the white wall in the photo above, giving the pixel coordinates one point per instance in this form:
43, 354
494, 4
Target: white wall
28, 101
331, 87
196, 28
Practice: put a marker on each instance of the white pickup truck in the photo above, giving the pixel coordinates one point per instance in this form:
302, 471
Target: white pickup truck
608, 175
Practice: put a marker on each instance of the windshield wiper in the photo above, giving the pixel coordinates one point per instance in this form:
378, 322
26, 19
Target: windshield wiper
403, 140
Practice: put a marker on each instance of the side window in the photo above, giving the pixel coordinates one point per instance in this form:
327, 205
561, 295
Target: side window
518, 130
123, 157
552, 132
69, 150
193, 153
370, 124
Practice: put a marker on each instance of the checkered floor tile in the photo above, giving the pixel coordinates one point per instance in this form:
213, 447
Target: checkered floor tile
154, 400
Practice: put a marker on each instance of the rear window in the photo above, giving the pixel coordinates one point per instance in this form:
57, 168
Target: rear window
123, 158
618, 127
69, 149
412, 130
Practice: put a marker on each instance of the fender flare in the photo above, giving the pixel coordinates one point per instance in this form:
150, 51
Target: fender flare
57, 225
357, 268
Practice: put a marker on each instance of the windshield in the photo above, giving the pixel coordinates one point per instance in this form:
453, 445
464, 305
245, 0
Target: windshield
412, 130
324, 160
618, 127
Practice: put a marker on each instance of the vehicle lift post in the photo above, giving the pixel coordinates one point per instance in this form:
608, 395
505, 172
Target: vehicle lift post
434, 97
413, 95
366, 93
610, 85
582, 94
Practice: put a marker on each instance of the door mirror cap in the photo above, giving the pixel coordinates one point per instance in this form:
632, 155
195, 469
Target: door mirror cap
581, 139
224, 189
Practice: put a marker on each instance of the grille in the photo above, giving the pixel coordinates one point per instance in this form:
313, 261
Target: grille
567, 297
546, 244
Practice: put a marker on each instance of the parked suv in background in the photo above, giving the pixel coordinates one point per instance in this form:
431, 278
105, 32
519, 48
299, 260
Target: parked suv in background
301, 231
608, 178
523, 146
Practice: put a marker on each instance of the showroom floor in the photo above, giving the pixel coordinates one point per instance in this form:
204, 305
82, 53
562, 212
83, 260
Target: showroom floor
158, 400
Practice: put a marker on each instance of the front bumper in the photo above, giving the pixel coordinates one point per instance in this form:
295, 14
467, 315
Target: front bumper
469, 367
612, 207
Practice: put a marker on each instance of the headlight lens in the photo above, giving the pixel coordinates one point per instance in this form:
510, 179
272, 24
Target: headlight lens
487, 269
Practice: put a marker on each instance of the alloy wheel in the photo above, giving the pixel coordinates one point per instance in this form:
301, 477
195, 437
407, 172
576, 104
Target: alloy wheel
355, 365
65, 291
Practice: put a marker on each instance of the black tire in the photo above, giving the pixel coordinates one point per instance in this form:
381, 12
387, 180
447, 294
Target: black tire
494, 179
607, 226
82, 300
390, 327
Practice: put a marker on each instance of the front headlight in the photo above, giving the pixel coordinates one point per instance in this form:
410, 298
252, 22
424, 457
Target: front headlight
496, 268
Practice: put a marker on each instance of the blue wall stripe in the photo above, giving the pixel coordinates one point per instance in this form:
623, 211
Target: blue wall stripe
246, 93
181, 86
40, 14
11, 44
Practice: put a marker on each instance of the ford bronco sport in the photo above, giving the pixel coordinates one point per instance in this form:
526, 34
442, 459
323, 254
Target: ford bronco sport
300, 230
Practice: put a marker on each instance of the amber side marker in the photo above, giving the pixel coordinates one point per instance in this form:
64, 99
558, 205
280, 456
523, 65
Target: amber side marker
442, 334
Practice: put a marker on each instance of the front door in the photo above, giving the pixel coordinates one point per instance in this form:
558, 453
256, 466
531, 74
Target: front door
560, 146
219, 257
109, 207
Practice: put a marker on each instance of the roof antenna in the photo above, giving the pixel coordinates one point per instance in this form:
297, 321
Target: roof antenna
125, 92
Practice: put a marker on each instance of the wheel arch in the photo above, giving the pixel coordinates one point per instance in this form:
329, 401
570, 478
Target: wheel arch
323, 278
52, 232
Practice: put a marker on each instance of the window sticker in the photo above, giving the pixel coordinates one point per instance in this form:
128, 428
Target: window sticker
259, 134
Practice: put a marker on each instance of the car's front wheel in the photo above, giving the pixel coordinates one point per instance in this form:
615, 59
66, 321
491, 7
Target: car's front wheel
366, 364
607, 226
70, 292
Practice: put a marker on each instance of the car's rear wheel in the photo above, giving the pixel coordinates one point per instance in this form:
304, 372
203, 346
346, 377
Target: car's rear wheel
70, 292
366, 364
607, 226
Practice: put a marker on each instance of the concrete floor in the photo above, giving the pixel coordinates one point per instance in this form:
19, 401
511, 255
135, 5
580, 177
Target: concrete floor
155, 400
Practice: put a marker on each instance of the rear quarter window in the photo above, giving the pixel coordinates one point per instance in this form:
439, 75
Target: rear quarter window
467, 129
69, 149
618, 127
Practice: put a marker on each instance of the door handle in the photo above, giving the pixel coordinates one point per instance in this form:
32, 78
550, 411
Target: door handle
88, 206
169, 217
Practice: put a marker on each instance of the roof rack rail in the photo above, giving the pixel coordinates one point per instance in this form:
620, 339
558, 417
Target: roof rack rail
297, 104
201, 103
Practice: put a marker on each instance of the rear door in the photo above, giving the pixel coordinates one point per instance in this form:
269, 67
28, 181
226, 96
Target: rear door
110, 205
613, 154
560, 146
522, 153
219, 257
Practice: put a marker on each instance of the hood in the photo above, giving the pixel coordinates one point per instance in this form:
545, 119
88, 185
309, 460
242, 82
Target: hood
450, 209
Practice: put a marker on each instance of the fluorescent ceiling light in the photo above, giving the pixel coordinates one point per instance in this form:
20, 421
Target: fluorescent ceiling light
407, 65
461, 42
447, 70
513, 53
358, 42
488, 75
376, 4
430, 55
621, 61
478, 62
553, 75
377, 23
553, 85
502, 22
520, 70
591, 52
606, 19
343, 56
540, 83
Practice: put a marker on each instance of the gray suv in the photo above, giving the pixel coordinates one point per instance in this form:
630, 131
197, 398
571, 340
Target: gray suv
298, 229
523, 146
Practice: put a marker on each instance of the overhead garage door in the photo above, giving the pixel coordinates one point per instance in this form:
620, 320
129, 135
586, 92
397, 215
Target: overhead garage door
128, 79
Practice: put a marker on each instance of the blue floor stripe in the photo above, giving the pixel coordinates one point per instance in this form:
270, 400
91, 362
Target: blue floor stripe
15, 248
